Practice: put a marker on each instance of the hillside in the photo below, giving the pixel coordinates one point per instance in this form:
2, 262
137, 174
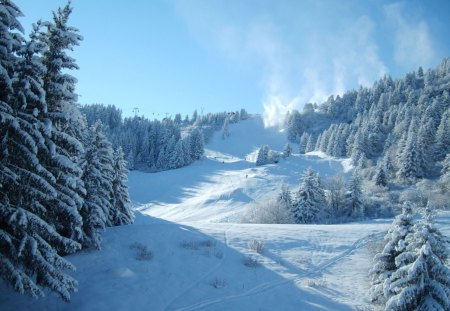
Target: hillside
218, 187
187, 219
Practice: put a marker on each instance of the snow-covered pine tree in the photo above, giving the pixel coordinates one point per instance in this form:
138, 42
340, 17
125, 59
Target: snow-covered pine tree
67, 125
284, 199
186, 142
354, 196
98, 177
162, 162
294, 126
422, 279
28, 256
303, 142
243, 114
287, 150
177, 119
445, 177
359, 149
309, 144
263, 155
225, 130
380, 177
384, 262
426, 138
194, 116
411, 160
443, 136
178, 156
196, 144
120, 212
310, 200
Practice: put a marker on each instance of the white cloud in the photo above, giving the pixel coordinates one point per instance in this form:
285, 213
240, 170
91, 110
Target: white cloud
310, 68
412, 42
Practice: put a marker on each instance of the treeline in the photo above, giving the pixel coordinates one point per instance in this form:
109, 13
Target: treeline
155, 145
399, 128
319, 202
61, 182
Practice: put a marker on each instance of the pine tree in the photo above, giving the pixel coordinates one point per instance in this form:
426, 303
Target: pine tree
285, 198
303, 142
162, 162
263, 155
422, 279
287, 150
196, 144
443, 136
194, 117
354, 195
309, 144
380, 177
225, 130
98, 177
411, 161
445, 177
67, 124
28, 243
310, 199
243, 114
121, 212
178, 156
384, 262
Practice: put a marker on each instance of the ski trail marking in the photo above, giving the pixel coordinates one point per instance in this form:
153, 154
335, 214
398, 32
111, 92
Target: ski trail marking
271, 285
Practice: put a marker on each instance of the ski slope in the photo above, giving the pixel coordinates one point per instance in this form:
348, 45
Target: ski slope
188, 217
219, 186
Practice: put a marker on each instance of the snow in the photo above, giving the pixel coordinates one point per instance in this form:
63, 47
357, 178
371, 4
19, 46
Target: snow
187, 219
225, 180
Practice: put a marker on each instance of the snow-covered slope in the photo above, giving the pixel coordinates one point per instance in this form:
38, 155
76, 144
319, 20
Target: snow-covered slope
198, 250
219, 186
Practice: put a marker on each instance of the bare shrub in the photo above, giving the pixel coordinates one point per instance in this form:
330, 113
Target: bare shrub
218, 254
142, 252
316, 282
256, 246
251, 261
189, 245
364, 308
267, 212
207, 243
194, 245
218, 283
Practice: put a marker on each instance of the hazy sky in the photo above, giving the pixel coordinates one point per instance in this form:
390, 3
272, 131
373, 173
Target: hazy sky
265, 56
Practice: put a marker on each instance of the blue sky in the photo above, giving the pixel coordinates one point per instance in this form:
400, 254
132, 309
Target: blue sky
266, 56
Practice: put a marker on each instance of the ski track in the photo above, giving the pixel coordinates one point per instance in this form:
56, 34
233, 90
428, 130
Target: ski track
208, 273
271, 285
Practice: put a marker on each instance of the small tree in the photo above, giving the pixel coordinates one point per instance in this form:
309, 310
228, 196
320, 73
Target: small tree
243, 114
196, 144
354, 202
120, 213
225, 130
263, 155
380, 177
310, 199
336, 195
287, 151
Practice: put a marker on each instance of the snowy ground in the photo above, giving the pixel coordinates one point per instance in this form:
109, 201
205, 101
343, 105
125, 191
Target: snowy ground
187, 219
